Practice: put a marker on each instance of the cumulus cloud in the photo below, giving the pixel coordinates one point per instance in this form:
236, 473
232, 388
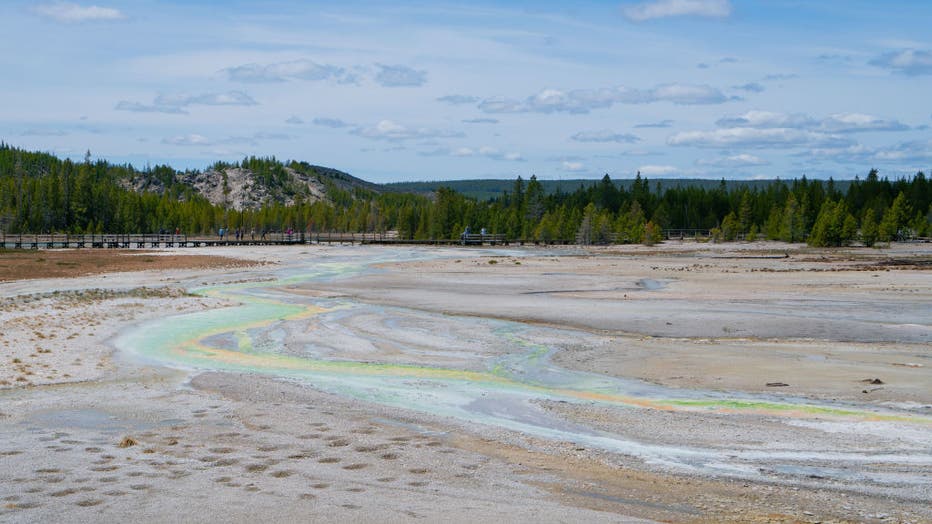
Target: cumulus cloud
43, 132
193, 139
309, 70
389, 130
836, 123
573, 167
750, 137
255, 138
911, 62
458, 99
605, 135
585, 100
666, 8
661, 124
136, 107
491, 152
741, 160
295, 120
481, 121
484, 151
302, 69
399, 76
916, 151
751, 87
335, 123
914, 154
767, 119
657, 170
176, 103
853, 122
74, 13
781, 76
230, 98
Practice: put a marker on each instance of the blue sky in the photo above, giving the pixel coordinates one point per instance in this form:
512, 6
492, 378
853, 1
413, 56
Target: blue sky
393, 91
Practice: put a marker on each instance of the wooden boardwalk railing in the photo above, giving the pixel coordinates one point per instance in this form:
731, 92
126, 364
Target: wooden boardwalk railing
154, 241
144, 241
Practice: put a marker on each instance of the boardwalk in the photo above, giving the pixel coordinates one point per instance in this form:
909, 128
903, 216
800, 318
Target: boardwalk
155, 241
140, 241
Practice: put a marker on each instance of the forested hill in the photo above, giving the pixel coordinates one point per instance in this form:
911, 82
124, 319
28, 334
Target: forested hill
489, 188
41, 193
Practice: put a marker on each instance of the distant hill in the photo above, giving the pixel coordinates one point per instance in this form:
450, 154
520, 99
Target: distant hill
485, 189
254, 182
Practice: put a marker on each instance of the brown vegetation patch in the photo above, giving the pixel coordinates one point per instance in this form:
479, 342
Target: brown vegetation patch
127, 442
28, 263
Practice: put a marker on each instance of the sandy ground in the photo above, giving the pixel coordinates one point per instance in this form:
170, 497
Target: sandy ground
89, 434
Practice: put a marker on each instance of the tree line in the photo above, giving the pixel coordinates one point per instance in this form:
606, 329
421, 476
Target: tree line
41, 193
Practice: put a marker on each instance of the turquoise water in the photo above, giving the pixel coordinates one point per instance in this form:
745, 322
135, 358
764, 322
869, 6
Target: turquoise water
505, 391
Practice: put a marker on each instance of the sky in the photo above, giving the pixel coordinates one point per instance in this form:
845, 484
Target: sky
404, 91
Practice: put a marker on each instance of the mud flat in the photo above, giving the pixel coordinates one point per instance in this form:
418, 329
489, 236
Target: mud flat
684, 383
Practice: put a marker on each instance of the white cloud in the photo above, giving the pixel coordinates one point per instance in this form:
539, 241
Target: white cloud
458, 99
767, 119
43, 132
915, 154
255, 138
740, 160
573, 167
667, 8
836, 123
585, 100
175, 104
136, 107
309, 70
661, 124
230, 98
911, 152
399, 76
911, 62
195, 139
295, 120
781, 76
187, 140
852, 122
335, 123
302, 69
481, 121
751, 87
749, 137
484, 151
605, 135
389, 130
74, 13
655, 170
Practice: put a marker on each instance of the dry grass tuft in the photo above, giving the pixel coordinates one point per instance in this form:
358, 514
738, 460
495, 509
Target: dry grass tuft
127, 442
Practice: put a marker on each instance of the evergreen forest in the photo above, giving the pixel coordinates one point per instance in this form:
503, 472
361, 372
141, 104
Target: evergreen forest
40, 193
